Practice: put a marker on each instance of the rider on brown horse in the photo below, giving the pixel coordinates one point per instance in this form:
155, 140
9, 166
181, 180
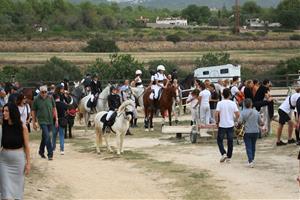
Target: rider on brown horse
158, 82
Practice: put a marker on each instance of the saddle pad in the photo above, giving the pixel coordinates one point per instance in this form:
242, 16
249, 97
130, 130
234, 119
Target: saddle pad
103, 118
111, 120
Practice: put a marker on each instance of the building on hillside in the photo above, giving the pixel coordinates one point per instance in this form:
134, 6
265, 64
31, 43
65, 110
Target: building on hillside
256, 23
172, 21
142, 20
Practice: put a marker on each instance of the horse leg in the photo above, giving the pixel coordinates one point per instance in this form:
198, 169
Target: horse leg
122, 142
66, 132
86, 120
106, 142
151, 121
118, 139
163, 112
98, 135
170, 116
146, 121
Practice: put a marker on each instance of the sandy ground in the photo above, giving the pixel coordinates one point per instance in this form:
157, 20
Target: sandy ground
90, 176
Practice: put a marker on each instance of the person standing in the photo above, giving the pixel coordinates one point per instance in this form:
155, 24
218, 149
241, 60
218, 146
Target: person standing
138, 79
226, 112
44, 111
15, 154
251, 118
194, 103
24, 109
204, 98
213, 102
96, 89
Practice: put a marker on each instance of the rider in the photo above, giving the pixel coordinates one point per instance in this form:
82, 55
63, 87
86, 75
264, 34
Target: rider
138, 80
114, 102
159, 77
96, 89
86, 81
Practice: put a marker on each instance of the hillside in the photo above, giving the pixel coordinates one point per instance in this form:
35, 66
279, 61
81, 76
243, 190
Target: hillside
179, 4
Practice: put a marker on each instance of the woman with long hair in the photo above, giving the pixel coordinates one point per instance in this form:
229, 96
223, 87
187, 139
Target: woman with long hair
24, 110
15, 154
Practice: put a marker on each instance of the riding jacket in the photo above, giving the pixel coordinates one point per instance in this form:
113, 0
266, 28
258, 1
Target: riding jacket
114, 101
96, 87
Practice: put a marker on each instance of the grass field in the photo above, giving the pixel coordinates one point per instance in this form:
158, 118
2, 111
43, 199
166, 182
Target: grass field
242, 56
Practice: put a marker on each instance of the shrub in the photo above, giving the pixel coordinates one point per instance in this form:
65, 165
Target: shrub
213, 59
98, 44
295, 37
173, 38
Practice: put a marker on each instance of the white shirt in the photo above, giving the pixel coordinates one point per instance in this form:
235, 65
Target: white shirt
160, 77
226, 108
234, 89
192, 101
205, 96
285, 106
24, 112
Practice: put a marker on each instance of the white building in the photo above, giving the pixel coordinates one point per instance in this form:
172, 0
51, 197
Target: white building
172, 21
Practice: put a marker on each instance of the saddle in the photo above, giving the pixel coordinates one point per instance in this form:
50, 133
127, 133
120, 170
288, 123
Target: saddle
111, 120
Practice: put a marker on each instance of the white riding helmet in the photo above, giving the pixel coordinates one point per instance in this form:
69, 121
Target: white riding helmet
161, 67
138, 72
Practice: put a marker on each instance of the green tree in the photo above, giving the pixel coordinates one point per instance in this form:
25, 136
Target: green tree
194, 13
288, 13
98, 44
213, 59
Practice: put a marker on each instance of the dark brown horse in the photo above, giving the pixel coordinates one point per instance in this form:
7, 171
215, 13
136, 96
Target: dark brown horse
186, 84
164, 104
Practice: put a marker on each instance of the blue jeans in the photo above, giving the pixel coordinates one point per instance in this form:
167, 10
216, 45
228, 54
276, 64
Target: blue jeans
250, 143
61, 137
229, 134
46, 140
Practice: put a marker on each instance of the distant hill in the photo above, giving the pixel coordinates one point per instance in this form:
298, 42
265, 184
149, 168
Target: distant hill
179, 4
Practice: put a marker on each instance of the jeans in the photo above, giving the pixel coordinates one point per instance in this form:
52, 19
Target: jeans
61, 138
46, 140
250, 142
229, 134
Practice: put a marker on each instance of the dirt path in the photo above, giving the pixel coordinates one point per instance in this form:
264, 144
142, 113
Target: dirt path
88, 176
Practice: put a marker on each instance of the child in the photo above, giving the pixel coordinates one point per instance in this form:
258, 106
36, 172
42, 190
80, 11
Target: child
193, 98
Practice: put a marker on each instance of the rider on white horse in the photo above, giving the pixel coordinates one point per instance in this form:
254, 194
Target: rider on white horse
138, 81
114, 102
157, 83
96, 89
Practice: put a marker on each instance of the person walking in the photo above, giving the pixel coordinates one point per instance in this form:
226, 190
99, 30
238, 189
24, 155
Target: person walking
24, 109
44, 111
15, 154
251, 119
61, 108
226, 112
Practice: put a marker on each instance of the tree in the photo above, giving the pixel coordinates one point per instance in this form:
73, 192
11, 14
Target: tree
173, 38
98, 44
288, 13
120, 67
213, 59
251, 8
193, 13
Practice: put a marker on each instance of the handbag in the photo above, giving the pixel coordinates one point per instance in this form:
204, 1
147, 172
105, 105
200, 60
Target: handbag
240, 127
63, 122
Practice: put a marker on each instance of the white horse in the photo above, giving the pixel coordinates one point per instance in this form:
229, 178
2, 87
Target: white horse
138, 93
120, 127
101, 104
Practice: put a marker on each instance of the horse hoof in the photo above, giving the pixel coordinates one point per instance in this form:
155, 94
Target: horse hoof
152, 129
147, 130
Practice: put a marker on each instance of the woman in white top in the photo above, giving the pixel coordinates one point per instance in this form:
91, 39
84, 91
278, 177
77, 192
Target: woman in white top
138, 79
204, 98
24, 110
194, 102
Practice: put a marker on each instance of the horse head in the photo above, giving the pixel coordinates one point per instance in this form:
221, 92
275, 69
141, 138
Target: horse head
188, 82
127, 107
105, 92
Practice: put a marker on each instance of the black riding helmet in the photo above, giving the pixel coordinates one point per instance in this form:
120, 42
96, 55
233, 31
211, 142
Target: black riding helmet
112, 88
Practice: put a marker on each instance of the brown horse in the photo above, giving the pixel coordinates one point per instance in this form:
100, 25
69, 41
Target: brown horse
165, 103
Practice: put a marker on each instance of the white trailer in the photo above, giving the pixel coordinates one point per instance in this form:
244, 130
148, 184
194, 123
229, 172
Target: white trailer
214, 73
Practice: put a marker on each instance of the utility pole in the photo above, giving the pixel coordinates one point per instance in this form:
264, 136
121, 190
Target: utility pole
237, 17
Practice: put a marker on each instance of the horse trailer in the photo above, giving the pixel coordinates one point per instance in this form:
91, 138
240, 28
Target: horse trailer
214, 73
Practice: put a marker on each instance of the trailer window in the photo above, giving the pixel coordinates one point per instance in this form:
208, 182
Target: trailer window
206, 73
224, 71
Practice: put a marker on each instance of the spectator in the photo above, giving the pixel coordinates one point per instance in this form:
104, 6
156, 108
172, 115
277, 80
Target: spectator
251, 118
24, 109
44, 111
15, 155
256, 85
193, 100
13, 95
213, 102
61, 108
2, 100
285, 111
204, 98
248, 90
298, 121
225, 113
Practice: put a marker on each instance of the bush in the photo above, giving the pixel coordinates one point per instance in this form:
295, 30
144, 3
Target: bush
283, 30
213, 59
212, 37
98, 44
120, 67
295, 37
173, 38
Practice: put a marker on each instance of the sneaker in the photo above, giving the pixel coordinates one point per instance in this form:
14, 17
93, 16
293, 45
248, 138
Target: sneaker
42, 155
280, 143
62, 153
50, 158
223, 158
291, 141
228, 160
251, 164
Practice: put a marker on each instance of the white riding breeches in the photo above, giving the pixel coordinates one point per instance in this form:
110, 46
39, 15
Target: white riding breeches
156, 89
109, 114
92, 97
204, 114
